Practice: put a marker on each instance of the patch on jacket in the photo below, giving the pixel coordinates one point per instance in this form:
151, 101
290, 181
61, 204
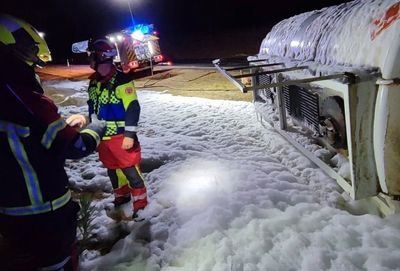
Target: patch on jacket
129, 90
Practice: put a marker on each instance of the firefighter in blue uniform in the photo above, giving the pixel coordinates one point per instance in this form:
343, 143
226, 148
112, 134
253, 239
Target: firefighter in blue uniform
37, 216
112, 97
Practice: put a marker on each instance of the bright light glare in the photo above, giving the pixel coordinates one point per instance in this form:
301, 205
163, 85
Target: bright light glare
198, 183
120, 37
112, 39
196, 190
295, 43
41, 34
137, 35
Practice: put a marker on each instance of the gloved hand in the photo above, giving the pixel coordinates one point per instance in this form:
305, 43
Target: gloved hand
99, 126
127, 143
76, 121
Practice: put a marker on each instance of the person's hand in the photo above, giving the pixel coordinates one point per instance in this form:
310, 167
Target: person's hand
98, 126
127, 143
76, 121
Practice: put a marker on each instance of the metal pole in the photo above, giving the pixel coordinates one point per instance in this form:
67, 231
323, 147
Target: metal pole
150, 56
118, 55
130, 10
281, 102
151, 66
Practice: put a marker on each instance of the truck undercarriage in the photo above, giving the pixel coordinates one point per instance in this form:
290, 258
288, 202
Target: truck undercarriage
329, 118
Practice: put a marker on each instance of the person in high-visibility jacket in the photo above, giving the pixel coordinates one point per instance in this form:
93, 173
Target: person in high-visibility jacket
112, 97
38, 218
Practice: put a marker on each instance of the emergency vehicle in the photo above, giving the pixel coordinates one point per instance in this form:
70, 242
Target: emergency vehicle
329, 82
137, 49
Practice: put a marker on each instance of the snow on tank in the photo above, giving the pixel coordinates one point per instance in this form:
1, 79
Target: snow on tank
363, 34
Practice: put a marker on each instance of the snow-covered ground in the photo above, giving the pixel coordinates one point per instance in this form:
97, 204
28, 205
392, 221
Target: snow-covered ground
230, 195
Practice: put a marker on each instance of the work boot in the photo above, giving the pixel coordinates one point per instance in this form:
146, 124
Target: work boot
122, 195
118, 201
137, 217
139, 201
139, 198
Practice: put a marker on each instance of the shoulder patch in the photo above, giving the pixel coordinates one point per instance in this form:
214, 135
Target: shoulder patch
129, 90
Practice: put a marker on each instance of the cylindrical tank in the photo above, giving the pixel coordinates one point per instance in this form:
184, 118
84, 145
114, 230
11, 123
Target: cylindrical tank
359, 34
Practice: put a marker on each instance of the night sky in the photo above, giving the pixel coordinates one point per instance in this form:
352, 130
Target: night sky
188, 29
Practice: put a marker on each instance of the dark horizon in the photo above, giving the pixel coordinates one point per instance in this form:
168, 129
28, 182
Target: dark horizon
188, 30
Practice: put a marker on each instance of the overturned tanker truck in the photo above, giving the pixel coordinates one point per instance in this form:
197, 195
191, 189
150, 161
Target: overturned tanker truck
329, 82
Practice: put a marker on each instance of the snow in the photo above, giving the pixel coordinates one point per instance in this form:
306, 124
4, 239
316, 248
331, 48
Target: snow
342, 36
227, 193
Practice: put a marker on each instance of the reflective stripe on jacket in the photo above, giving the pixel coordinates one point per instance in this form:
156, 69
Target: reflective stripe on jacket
34, 140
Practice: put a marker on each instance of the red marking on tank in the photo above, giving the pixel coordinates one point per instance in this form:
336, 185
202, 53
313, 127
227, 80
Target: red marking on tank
391, 15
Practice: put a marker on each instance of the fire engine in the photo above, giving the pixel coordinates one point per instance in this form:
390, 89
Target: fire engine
329, 82
137, 48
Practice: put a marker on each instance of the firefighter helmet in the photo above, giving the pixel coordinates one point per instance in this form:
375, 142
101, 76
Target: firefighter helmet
101, 50
24, 41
